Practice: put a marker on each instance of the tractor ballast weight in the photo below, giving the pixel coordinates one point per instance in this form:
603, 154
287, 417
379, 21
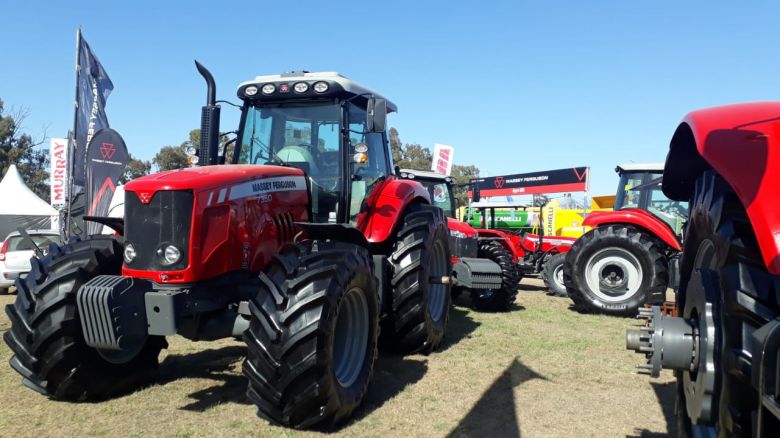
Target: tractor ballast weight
726, 342
301, 246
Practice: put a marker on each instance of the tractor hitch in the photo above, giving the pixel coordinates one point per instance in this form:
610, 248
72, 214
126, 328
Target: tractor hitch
667, 342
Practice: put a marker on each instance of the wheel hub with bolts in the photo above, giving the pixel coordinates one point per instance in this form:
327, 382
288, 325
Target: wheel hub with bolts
685, 344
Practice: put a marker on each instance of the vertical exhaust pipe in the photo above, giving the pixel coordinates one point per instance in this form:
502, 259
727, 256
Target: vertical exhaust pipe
209, 121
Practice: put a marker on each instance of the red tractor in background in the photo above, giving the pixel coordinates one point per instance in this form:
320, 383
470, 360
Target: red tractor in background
724, 347
304, 245
630, 256
484, 262
534, 253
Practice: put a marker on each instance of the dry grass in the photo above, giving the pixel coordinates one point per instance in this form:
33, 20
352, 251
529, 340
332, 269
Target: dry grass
541, 370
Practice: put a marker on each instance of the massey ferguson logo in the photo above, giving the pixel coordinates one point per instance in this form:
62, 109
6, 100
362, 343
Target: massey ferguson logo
145, 197
499, 182
107, 151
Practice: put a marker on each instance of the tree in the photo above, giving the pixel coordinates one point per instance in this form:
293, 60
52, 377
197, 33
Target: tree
19, 149
462, 174
171, 158
135, 169
396, 147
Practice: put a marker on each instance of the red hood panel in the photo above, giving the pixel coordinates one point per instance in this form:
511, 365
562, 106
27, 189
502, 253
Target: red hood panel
456, 225
206, 177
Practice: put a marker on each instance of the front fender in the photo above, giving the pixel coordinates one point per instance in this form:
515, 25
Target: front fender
381, 211
638, 218
739, 142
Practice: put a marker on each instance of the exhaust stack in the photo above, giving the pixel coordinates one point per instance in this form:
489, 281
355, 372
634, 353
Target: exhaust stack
209, 121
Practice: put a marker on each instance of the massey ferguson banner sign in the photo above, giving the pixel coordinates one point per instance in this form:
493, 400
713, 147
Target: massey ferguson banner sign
106, 160
442, 159
550, 181
58, 173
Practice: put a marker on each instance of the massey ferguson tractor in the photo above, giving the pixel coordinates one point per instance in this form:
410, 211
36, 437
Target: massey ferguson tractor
724, 346
484, 262
630, 256
304, 245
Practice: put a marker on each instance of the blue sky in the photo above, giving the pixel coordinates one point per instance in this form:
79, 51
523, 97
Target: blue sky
514, 86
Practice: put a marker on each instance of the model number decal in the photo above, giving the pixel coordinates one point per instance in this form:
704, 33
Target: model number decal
263, 187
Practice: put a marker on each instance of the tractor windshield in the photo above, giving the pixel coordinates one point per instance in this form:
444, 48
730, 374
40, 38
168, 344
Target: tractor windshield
643, 190
305, 136
440, 195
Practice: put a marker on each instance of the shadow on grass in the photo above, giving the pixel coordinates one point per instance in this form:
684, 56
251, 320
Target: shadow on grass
495, 414
392, 374
460, 327
526, 287
666, 394
213, 364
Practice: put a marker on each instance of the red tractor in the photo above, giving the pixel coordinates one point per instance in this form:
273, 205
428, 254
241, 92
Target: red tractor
630, 257
724, 347
484, 262
303, 246
534, 253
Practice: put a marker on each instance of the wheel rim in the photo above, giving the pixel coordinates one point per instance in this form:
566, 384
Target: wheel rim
698, 387
613, 274
558, 276
437, 293
350, 340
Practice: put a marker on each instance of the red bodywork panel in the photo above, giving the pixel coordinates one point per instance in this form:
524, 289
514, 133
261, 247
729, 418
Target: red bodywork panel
510, 241
636, 217
530, 243
741, 143
383, 208
456, 225
233, 226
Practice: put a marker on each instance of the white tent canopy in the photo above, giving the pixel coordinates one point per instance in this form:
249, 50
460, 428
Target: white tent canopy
20, 206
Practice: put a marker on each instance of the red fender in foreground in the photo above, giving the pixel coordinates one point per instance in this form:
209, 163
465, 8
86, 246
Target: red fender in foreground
636, 217
382, 210
739, 142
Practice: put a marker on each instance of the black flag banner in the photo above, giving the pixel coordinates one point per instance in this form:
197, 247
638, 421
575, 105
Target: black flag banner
106, 160
93, 88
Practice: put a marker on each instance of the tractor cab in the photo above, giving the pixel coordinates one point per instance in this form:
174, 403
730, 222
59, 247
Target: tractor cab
325, 124
640, 188
439, 187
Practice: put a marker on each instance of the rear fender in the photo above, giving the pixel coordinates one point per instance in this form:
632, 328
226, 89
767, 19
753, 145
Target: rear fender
637, 218
740, 143
383, 209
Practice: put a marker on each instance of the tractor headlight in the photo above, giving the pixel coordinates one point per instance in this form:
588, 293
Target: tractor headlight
250, 90
268, 88
169, 255
129, 254
321, 87
301, 87
458, 234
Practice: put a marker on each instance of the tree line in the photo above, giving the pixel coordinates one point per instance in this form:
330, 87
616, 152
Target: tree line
17, 147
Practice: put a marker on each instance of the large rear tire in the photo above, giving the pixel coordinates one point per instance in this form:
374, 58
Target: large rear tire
719, 242
419, 308
312, 338
615, 269
46, 336
552, 274
501, 299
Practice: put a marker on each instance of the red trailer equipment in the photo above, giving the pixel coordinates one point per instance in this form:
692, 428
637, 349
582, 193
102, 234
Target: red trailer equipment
301, 246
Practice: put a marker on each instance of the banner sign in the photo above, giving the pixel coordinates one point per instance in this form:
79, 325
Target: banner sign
106, 160
442, 159
94, 87
58, 173
550, 181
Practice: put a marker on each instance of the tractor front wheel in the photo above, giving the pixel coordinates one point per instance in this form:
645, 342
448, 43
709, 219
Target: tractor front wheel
420, 300
312, 337
503, 298
552, 274
615, 269
46, 336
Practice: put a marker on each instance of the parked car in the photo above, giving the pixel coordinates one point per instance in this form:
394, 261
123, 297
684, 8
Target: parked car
16, 252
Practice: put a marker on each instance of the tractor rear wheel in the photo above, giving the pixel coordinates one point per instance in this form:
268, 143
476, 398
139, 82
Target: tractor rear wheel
46, 338
420, 303
552, 274
497, 299
615, 269
312, 338
719, 399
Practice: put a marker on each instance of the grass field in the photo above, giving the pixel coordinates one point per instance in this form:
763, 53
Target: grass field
541, 370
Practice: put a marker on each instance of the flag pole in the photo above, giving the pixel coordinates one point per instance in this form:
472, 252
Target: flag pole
74, 134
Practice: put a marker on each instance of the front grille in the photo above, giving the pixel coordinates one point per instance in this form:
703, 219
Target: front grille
164, 221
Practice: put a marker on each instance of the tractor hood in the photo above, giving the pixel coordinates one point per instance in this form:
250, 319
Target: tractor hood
462, 227
207, 177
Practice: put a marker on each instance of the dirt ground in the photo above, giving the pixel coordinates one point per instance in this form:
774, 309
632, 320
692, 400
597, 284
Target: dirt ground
540, 370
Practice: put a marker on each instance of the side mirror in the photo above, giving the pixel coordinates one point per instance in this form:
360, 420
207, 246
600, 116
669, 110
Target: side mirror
376, 114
